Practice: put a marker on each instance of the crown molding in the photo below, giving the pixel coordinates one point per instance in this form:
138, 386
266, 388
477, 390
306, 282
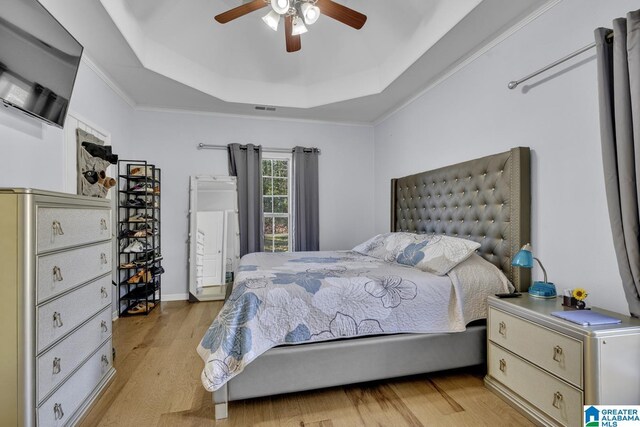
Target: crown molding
248, 116
470, 59
108, 80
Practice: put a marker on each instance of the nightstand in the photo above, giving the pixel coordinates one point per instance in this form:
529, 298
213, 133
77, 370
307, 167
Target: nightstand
548, 368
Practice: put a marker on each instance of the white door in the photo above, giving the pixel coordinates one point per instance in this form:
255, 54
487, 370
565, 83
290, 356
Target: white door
212, 224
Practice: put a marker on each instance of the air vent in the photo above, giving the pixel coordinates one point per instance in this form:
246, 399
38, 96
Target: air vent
264, 108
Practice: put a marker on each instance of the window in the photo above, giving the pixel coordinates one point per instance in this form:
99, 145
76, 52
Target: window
276, 201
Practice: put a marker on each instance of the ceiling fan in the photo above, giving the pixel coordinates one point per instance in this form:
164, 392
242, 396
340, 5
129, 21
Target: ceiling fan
296, 14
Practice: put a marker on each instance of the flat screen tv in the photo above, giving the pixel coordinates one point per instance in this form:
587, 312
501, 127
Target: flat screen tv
39, 61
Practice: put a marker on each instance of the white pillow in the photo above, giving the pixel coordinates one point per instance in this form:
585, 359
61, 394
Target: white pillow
437, 254
388, 246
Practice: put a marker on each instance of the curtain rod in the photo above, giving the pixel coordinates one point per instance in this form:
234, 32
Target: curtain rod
514, 83
202, 146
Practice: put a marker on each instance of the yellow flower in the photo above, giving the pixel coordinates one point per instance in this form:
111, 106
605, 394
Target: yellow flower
580, 294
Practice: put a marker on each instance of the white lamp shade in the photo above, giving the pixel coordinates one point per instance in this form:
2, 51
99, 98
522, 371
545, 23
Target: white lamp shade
280, 6
298, 27
310, 13
272, 19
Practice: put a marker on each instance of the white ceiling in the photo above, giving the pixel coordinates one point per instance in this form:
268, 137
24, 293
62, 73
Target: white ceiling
171, 54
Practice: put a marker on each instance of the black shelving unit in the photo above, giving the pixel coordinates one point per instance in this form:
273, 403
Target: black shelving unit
139, 237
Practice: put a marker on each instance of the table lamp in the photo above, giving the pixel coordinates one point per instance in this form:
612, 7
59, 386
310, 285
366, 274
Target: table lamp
524, 258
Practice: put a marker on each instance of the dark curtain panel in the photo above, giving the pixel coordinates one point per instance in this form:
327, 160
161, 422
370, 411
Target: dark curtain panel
619, 90
306, 217
245, 164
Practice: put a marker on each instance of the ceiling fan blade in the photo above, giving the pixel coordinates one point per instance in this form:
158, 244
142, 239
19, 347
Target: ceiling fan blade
239, 11
293, 42
342, 13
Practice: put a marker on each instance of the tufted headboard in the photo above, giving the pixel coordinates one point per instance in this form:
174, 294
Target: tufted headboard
487, 200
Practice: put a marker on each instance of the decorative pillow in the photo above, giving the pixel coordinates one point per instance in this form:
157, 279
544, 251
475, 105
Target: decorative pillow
389, 246
437, 254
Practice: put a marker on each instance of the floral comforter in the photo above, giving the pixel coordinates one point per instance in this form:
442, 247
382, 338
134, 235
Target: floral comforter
301, 297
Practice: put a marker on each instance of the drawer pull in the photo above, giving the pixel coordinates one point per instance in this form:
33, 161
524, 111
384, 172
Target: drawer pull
58, 413
103, 326
103, 224
57, 228
502, 329
103, 258
56, 365
103, 292
557, 353
557, 399
57, 274
57, 320
503, 365
105, 360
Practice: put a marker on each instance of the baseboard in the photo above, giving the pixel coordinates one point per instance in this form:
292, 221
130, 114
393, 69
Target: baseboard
175, 297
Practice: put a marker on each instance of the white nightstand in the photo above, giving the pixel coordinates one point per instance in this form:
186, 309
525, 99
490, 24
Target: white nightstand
548, 367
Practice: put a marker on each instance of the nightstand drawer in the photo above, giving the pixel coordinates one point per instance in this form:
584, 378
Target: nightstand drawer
557, 399
557, 353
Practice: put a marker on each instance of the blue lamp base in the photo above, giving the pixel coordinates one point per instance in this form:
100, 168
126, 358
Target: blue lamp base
542, 290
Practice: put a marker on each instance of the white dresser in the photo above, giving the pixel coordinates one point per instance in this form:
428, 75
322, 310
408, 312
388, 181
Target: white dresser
549, 368
55, 306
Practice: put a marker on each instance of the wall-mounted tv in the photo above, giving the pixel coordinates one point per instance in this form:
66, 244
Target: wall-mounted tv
39, 61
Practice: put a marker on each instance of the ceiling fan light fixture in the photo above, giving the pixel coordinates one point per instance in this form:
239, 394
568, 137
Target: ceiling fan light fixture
272, 19
281, 7
298, 27
310, 13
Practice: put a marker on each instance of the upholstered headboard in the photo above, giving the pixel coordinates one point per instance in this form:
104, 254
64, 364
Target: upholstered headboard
487, 200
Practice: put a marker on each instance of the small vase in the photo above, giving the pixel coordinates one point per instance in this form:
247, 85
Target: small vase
580, 305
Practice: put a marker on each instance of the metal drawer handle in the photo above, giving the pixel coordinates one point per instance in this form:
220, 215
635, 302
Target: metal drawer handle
57, 274
103, 224
57, 320
58, 413
557, 353
503, 365
105, 360
57, 228
103, 292
103, 326
56, 365
502, 329
557, 399
103, 258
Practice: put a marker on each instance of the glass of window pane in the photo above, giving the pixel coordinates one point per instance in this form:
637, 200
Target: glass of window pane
280, 205
281, 235
280, 186
267, 168
267, 186
267, 204
280, 168
268, 243
268, 226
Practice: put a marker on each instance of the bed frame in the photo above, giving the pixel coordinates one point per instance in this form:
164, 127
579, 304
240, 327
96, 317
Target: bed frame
487, 200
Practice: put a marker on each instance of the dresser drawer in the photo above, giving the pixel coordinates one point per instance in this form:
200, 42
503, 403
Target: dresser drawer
56, 364
61, 406
559, 400
61, 271
557, 353
60, 316
58, 228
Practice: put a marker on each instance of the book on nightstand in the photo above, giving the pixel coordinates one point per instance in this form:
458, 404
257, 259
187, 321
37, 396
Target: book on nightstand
586, 317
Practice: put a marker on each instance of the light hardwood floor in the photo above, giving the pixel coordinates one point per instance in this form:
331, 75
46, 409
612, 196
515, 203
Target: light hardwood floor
158, 384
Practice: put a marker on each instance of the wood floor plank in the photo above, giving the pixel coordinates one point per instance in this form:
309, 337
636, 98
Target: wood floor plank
158, 384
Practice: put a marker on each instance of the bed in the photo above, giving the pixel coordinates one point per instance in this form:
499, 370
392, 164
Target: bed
486, 200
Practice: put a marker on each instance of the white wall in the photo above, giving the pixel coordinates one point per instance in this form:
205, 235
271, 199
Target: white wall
33, 153
169, 141
473, 114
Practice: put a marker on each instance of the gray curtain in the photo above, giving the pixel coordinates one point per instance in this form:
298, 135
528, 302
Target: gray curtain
245, 164
306, 217
619, 90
